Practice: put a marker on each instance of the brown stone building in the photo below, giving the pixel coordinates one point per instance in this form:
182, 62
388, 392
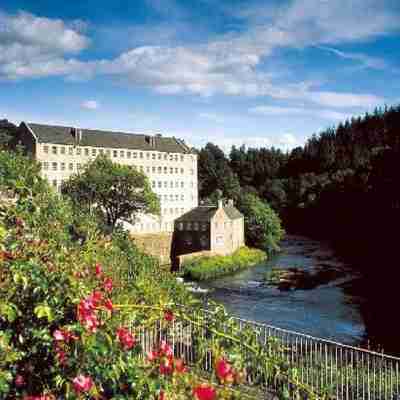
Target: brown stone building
216, 229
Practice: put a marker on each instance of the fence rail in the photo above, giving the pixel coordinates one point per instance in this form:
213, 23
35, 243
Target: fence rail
333, 370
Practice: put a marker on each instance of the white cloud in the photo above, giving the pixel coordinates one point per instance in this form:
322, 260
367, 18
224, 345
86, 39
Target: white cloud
309, 112
90, 105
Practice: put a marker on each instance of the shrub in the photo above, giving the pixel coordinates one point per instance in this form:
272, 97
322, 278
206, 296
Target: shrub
203, 268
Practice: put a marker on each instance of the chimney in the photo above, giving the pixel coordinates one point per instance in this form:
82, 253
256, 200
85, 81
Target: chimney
220, 204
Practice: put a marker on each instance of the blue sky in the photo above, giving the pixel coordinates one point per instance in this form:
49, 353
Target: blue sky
254, 72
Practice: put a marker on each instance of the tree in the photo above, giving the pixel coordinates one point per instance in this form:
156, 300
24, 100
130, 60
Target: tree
7, 132
113, 191
262, 225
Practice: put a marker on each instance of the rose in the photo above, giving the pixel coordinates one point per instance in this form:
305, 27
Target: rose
126, 339
169, 316
108, 284
204, 392
82, 383
224, 371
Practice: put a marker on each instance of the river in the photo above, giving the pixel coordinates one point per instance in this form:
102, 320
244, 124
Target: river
324, 309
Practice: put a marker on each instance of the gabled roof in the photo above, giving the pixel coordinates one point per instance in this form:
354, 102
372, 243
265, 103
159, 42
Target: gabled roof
206, 214
96, 138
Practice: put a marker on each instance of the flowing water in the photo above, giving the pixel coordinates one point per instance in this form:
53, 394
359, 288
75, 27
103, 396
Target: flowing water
324, 308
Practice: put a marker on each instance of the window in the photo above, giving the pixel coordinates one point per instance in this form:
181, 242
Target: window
177, 197
54, 149
54, 164
165, 157
165, 197
94, 152
182, 171
46, 149
153, 170
171, 184
180, 226
166, 184
171, 157
62, 150
86, 152
153, 184
176, 170
46, 165
182, 197
148, 170
159, 184
165, 170
171, 197
196, 226
159, 156
71, 151
78, 151
122, 154
128, 154
204, 226
153, 156
176, 184
148, 156
189, 226
141, 155
171, 170
182, 158
134, 154
182, 184
71, 166
63, 166
176, 157
115, 153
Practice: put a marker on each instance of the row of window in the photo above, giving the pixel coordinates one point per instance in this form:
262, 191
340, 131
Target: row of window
155, 227
63, 166
172, 211
90, 151
171, 184
192, 226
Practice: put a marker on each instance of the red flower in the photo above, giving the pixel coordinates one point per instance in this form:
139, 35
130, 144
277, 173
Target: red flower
162, 395
108, 304
204, 392
82, 383
61, 335
108, 284
169, 316
166, 349
99, 270
180, 366
223, 369
19, 381
126, 338
152, 355
61, 356
95, 298
166, 366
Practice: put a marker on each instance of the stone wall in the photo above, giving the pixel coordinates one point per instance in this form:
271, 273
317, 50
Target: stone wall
156, 244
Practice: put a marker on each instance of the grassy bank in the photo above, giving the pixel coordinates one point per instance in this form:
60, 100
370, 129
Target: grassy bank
203, 268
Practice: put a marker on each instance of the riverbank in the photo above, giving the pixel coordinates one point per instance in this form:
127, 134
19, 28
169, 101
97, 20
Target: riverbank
205, 268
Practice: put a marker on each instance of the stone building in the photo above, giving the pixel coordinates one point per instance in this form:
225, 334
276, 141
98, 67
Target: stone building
216, 229
168, 162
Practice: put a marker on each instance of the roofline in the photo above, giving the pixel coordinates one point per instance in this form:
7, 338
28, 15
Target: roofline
30, 130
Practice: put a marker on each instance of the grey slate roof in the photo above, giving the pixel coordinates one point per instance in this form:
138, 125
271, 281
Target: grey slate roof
96, 138
206, 213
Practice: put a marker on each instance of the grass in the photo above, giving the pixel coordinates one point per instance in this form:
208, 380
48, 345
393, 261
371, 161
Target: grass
203, 268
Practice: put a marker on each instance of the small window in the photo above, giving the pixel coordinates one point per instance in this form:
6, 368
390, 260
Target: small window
54, 164
122, 154
176, 157
165, 170
153, 156
165, 157
54, 149
182, 197
189, 226
62, 150
94, 151
159, 184
180, 226
177, 197
204, 226
153, 170
148, 156
182, 184
71, 166
46, 149
176, 170
78, 151
148, 170
141, 155
115, 153
134, 154
165, 197
171, 184
177, 184
159, 156
153, 184
171, 170
182, 158
182, 170
63, 166
128, 154
196, 226
171, 197
86, 152
166, 184
171, 157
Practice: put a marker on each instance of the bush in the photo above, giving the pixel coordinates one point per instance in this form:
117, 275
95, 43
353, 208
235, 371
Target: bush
203, 268
263, 227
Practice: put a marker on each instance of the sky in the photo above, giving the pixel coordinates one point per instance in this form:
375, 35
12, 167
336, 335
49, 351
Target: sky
254, 72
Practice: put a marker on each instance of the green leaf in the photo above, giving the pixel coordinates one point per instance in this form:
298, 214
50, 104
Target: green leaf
44, 311
9, 311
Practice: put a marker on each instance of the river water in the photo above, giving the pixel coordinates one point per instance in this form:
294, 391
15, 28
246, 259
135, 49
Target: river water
324, 309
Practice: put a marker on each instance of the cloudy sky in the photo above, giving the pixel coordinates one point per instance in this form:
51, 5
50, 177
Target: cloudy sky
258, 72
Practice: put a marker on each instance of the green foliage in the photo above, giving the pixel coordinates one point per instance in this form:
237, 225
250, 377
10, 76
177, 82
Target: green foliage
204, 268
113, 191
7, 133
262, 225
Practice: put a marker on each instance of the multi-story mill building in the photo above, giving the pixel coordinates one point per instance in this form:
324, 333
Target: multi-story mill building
168, 162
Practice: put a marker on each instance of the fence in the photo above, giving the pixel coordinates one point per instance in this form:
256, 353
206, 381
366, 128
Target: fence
332, 370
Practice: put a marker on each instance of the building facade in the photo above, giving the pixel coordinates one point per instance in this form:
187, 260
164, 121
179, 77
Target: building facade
169, 164
217, 229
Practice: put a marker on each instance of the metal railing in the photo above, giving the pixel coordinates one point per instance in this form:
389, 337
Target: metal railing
333, 370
